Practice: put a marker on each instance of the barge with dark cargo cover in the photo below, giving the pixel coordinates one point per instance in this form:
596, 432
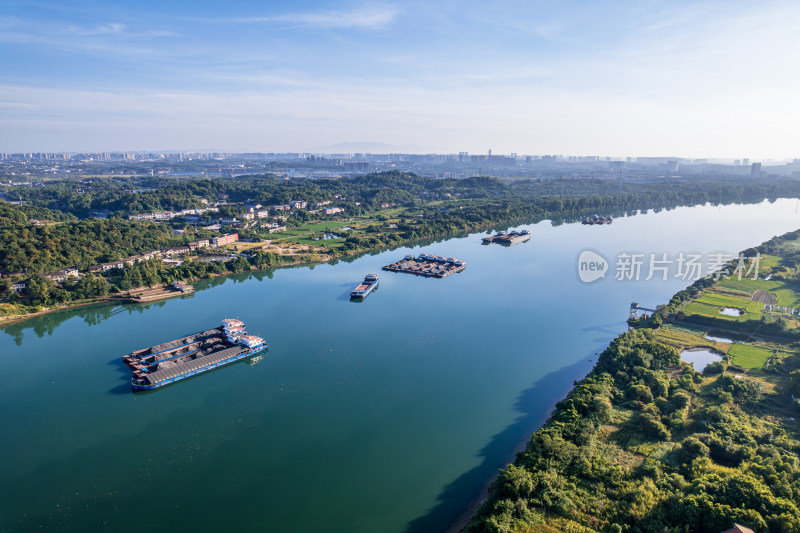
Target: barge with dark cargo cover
597, 219
428, 265
512, 237
191, 355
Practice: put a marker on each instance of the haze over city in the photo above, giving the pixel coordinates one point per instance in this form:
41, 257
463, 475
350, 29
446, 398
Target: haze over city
684, 79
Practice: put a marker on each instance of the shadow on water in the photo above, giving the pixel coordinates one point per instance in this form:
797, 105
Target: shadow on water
535, 404
124, 386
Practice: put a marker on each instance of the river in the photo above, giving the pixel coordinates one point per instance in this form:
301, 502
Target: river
389, 415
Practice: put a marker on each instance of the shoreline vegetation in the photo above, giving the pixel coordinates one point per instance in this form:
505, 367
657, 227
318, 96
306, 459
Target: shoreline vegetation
379, 211
646, 443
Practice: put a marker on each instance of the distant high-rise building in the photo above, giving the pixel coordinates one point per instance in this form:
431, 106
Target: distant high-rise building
745, 161
463, 156
672, 165
755, 170
490, 152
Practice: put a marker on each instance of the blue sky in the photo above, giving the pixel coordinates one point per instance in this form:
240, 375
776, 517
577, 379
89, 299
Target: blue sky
692, 79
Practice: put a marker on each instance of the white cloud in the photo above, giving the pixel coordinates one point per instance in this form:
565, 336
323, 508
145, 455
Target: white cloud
368, 18
511, 119
105, 29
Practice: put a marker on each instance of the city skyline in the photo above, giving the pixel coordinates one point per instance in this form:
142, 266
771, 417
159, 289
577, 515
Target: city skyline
684, 79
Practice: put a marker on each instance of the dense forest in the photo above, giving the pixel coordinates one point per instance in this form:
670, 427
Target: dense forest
461, 205
53, 229
27, 247
123, 196
43, 292
731, 465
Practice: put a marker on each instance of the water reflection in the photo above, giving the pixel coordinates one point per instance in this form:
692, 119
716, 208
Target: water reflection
700, 358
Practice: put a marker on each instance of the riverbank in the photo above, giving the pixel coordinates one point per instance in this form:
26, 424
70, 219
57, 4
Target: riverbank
7, 319
312, 257
645, 443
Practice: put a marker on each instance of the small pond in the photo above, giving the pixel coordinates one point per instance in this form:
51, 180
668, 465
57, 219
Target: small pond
731, 311
700, 358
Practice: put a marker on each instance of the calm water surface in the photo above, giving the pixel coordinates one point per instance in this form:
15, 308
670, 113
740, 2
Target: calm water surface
389, 415
700, 358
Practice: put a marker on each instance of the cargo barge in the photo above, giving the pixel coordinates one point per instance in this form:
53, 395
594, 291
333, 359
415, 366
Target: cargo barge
369, 284
512, 237
191, 355
597, 219
428, 265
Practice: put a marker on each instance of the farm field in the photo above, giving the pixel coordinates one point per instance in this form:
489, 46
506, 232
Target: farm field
784, 290
696, 308
683, 337
724, 300
748, 356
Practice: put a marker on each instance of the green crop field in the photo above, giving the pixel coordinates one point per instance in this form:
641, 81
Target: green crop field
755, 307
715, 298
786, 295
681, 338
696, 308
767, 262
749, 356
737, 285
784, 290
685, 329
731, 292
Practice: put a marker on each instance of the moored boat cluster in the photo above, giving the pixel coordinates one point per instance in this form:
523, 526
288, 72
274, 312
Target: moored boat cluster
428, 265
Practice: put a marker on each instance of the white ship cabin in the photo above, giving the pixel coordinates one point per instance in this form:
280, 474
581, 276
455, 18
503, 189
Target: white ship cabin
232, 326
232, 323
251, 341
371, 277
